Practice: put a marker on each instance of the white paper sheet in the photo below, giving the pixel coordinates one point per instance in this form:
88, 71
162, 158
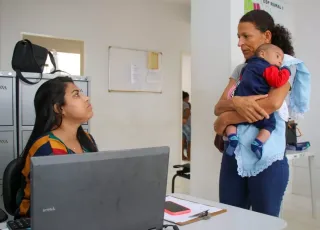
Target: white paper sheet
194, 207
134, 73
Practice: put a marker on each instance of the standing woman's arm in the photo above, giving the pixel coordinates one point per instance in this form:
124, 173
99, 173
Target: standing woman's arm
269, 104
240, 104
247, 108
224, 104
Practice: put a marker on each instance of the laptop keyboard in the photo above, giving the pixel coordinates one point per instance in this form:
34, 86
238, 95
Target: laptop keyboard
20, 224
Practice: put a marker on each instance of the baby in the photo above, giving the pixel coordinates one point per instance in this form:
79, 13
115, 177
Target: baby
261, 73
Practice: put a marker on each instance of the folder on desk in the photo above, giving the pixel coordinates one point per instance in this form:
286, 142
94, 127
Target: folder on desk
192, 216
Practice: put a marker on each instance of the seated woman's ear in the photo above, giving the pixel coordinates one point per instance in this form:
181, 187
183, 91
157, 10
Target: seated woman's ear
58, 109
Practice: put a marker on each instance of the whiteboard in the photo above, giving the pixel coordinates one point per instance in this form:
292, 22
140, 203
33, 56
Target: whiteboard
128, 71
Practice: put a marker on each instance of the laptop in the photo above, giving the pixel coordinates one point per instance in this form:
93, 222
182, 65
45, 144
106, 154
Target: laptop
111, 190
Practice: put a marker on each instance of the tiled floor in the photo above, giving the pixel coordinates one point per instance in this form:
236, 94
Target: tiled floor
297, 212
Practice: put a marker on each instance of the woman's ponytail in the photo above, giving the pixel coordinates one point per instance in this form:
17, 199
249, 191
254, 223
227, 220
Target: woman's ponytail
281, 37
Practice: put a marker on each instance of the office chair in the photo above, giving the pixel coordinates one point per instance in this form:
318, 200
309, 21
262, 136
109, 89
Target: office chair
11, 184
3, 216
184, 173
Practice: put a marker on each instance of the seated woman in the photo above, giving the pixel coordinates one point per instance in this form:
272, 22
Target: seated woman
60, 110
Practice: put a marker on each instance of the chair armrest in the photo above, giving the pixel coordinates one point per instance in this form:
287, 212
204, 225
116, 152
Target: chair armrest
185, 168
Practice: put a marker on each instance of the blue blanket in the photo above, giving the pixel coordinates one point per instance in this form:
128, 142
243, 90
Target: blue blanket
274, 148
299, 98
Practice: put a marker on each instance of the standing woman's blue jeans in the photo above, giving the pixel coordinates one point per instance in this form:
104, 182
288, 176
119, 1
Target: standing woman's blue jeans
263, 192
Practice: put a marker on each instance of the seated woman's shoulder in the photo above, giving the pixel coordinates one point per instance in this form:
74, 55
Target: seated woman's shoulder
41, 146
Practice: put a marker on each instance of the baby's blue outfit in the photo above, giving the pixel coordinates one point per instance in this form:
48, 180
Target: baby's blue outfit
274, 148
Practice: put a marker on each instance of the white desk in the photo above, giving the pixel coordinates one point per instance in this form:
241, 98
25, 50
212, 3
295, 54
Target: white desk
292, 155
234, 218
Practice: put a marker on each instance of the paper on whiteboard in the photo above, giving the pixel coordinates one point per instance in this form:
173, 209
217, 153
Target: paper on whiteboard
195, 209
134, 73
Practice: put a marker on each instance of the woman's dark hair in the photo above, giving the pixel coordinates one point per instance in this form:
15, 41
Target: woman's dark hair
48, 95
263, 21
184, 95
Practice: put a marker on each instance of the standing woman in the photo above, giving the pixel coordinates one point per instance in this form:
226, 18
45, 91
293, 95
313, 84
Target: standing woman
246, 181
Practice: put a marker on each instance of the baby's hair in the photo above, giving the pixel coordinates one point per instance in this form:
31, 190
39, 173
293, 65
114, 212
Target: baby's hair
265, 47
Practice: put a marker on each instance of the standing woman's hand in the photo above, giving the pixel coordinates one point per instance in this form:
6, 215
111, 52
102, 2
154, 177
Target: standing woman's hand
249, 109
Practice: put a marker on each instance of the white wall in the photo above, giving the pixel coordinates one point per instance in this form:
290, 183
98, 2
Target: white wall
237, 11
211, 56
307, 47
121, 120
0, 28
186, 73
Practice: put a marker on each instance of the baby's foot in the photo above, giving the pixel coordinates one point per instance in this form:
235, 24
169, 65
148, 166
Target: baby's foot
233, 143
256, 147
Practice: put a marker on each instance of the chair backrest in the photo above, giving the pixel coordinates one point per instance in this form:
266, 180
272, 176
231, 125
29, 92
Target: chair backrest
11, 183
3, 216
